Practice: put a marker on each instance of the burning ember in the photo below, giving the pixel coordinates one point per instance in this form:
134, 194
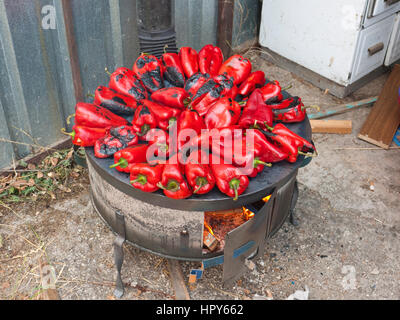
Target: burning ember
218, 223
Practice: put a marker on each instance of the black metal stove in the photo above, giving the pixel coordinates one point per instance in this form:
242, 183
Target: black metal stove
174, 228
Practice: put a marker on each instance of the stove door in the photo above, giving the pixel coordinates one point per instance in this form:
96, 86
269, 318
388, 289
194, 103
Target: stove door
376, 7
393, 52
246, 243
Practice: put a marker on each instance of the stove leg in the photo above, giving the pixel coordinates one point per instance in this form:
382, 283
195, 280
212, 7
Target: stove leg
119, 253
292, 217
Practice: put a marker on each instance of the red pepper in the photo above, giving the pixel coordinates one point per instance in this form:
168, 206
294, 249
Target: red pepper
85, 136
272, 92
223, 113
189, 61
172, 97
198, 173
296, 112
284, 104
270, 152
229, 90
114, 101
255, 80
195, 82
173, 182
205, 101
210, 59
290, 142
256, 113
189, 119
118, 138
90, 115
125, 158
125, 81
166, 116
173, 71
237, 67
145, 177
150, 71
228, 178
144, 119
159, 139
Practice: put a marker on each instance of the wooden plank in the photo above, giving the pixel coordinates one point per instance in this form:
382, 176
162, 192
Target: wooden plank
331, 126
178, 283
339, 109
384, 118
225, 26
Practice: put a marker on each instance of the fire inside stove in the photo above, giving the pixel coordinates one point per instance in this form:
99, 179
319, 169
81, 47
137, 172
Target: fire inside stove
217, 224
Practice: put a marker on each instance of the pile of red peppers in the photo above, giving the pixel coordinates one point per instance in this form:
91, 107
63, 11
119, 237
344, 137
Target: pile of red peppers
176, 105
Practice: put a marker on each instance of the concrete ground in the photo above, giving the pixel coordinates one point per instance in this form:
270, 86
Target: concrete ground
345, 247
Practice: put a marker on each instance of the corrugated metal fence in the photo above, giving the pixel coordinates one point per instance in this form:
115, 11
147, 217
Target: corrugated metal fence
53, 52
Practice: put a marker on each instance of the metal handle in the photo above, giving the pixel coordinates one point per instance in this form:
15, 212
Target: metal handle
376, 48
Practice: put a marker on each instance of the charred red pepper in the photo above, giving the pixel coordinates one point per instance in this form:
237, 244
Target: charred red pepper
145, 177
229, 90
115, 102
237, 67
144, 119
255, 80
85, 136
256, 114
125, 158
203, 103
228, 178
270, 152
296, 112
290, 142
173, 181
198, 173
125, 81
189, 61
173, 71
223, 113
166, 116
117, 138
172, 97
195, 82
210, 59
272, 92
90, 115
150, 71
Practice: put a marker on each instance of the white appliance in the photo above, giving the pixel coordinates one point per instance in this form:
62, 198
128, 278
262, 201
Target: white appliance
341, 40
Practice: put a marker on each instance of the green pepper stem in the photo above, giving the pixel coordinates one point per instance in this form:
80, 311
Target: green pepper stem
90, 95
242, 103
70, 117
201, 182
234, 185
108, 72
171, 122
312, 155
142, 179
143, 130
72, 134
258, 162
165, 48
187, 101
123, 163
286, 88
268, 127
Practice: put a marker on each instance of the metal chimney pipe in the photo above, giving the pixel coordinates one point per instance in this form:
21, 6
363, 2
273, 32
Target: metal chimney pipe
156, 26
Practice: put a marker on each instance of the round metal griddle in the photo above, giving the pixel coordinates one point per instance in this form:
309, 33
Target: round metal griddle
259, 187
